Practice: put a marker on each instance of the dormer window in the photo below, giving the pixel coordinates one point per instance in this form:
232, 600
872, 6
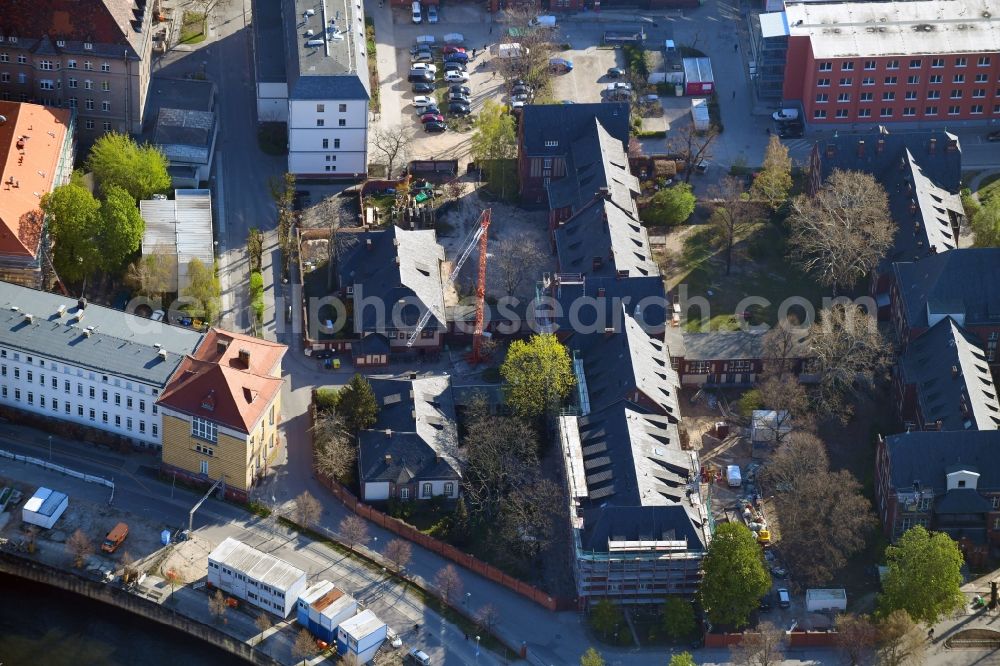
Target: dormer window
961, 483
208, 402
87, 46
551, 144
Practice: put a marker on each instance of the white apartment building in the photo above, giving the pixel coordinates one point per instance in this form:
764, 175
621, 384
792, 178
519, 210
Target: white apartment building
64, 359
256, 577
325, 83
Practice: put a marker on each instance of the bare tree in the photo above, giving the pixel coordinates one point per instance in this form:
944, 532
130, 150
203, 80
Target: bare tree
150, 275
501, 450
528, 516
782, 345
900, 642
129, 572
487, 618
398, 551
517, 260
787, 398
218, 607
353, 531
734, 216
79, 546
263, 622
304, 646
760, 648
692, 146
533, 65
448, 583
174, 578
392, 145
842, 232
307, 509
849, 351
336, 452
856, 637
825, 516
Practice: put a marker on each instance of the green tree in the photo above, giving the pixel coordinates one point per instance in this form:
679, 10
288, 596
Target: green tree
924, 577
494, 144
204, 289
735, 578
774, 181
72, 212
682, 659
539, 375
357, 404
116, 159
986, 224
678, 618
749, 402
670, 206
150, 276
591, 658
605, 617
121, 228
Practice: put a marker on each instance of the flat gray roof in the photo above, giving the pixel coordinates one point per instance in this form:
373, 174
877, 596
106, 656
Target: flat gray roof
327, 59
120, 344
920, 27
260, 566
269, 41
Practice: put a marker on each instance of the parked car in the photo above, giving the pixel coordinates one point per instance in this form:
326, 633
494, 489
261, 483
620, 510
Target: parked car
432, 117
415, 10
458, 97
519, 98
766, 602
423, 65
423, 100
115, 538
457, 56
616, 72
567, 101
517, 104
993, 136
465, 90
423, 110
419, 657
456, 77
560, 65
784, 599
520, 90
785, 114
451, 48
454, 38
420, 48
420, 77
779, 571
617, 86
423, 87
791, 130
459, 109
423, 56
455, 67
435, 127
432, 14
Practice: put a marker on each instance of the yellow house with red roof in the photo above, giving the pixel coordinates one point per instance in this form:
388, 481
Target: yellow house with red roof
221, 412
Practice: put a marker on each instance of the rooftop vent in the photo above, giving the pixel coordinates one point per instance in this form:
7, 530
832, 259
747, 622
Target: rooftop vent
310, 12
923, 27
245, 357
29, 317
310, 32
61, 311
82, 304
162, 354
14, 308
316, 43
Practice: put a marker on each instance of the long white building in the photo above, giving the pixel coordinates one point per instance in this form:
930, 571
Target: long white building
323, 90
64, 359
256, 577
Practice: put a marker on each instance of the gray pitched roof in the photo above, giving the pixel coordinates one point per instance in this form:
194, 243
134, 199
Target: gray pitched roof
120, 344
618, 365
185, 136
391, 265
642, 523
415, 429
948, 369
269, 42
926, 456
598, 302
604, 240
962, 500
725, 345
961, 283
337, 69
595, 160
903, 162
564, 123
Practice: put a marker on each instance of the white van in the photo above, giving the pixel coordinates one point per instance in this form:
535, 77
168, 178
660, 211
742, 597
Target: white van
416, 12
543, 21
419, 657
733, 477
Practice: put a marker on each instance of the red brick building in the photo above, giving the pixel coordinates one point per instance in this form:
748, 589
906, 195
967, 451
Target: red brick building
879, 62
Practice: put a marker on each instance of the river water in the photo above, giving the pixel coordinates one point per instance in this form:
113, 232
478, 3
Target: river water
43, 626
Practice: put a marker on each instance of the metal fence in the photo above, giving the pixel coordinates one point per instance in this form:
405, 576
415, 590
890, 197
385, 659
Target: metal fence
45, 464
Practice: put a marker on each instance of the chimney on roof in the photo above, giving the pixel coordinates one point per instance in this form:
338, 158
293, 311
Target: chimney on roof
368, 243
880, 146
913, 206
609, 331
245, 356
954, 372
861, 147
939, 423
598, 262
28, 317
388, 459
952, 145
162, 353
603, 193
221, 346
60, 310
388, 433
932, 146
830, 150
600, 292
81, 304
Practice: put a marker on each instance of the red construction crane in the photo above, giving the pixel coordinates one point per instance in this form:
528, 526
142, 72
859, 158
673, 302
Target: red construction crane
478, 236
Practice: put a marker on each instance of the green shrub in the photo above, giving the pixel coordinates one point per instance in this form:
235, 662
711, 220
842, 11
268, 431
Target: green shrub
327, 399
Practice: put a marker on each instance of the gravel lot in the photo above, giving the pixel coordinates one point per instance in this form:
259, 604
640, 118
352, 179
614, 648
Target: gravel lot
589, 75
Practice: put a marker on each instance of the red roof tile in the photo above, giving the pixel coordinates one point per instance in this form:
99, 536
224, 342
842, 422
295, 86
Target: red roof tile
96, 21
31, 141
215, 383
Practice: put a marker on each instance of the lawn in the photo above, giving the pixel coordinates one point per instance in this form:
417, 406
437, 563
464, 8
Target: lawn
989, 188
760, 269
193, 28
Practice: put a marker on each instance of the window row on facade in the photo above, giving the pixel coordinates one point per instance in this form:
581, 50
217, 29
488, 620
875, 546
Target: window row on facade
54, 65
890, 95
914, 63
907, 111
82, 412
67, 388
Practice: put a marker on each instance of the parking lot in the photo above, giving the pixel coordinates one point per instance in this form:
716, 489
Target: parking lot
589, 76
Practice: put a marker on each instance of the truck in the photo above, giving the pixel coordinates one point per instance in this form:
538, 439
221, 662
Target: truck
511, 51
733, 477
115, 538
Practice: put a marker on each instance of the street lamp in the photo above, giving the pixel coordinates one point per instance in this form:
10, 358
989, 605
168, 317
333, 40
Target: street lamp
477, 649
50, 448
467, 595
